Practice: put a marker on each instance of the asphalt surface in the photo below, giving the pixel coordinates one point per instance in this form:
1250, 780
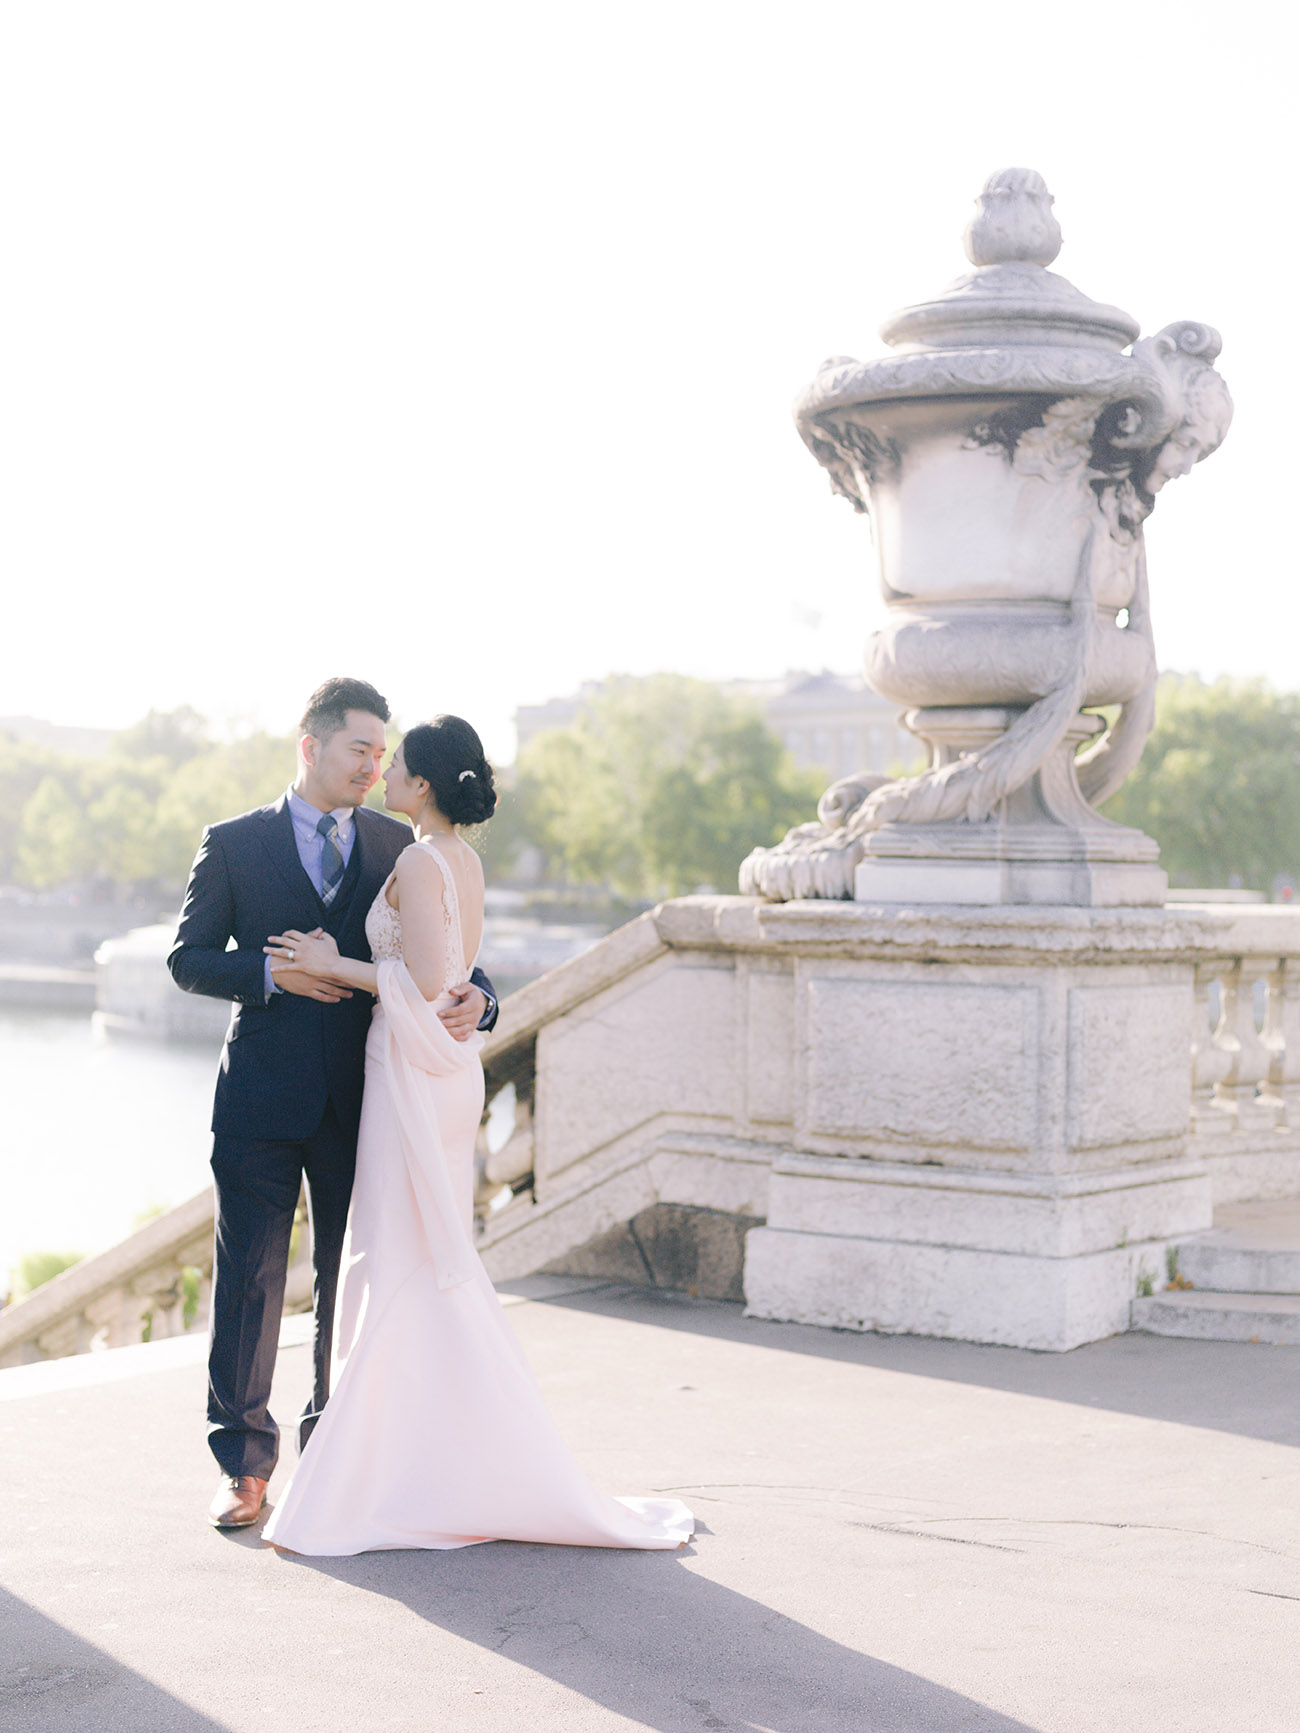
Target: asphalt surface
896, 1534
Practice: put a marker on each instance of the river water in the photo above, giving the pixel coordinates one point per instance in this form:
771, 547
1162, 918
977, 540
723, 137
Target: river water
96, 1132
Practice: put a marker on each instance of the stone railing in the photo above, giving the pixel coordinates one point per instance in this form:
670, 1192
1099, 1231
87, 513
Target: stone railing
1246, 1055
661, 1071
510, 1055
157, 1282
153, 1284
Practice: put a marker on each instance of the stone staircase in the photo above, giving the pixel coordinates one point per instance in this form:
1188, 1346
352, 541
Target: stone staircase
1244, 1275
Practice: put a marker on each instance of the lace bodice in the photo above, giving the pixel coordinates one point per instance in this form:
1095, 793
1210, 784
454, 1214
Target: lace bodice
384, 925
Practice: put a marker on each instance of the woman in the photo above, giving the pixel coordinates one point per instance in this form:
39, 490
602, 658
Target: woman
435, 1434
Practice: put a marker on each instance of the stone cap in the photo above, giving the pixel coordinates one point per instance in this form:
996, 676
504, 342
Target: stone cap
958, 934
1010, 297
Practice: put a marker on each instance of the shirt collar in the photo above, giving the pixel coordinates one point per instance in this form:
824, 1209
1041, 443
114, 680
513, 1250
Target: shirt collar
306, 817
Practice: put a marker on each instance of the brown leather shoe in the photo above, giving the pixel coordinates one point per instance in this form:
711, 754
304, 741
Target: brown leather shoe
238, 1502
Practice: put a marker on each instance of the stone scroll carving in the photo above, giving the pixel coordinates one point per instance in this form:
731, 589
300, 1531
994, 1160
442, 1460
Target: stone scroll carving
1008, 481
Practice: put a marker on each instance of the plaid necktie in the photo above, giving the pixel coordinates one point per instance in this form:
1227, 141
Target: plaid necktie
331, 860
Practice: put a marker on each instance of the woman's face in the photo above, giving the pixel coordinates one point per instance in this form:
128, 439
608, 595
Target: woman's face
1177, 455
403, 793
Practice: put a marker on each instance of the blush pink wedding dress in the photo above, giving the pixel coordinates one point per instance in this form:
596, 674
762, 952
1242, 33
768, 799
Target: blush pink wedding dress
435, 1434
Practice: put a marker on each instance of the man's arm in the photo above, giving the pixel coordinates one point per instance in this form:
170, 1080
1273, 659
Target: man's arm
475, 1008
488, 1020
199, 960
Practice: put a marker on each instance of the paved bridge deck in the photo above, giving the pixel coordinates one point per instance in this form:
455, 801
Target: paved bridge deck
897, 1534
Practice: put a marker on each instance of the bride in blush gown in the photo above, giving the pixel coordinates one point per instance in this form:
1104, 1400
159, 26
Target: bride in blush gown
435, 1434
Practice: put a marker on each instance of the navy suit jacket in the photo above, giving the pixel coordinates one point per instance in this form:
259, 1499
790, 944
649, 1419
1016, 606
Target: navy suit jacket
284, 1060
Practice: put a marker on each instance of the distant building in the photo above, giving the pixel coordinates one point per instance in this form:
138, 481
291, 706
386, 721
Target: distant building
830, 722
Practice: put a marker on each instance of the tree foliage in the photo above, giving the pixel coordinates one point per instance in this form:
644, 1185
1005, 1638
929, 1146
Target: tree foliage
1218, 786
135, 815
663, 785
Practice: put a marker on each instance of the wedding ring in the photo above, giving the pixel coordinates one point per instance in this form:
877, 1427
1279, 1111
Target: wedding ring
291, 954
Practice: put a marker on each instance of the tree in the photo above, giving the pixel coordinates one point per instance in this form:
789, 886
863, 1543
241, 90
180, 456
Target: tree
171, 734
218, 783
53, 845
661, 787
22, 768
1219, 784
134, 816
124, 824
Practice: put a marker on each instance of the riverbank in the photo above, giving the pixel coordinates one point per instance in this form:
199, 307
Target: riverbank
47, 987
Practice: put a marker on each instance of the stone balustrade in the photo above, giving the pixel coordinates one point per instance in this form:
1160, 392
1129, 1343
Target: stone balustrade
155, 1283
510, 1052
721, 1063
1246, 1054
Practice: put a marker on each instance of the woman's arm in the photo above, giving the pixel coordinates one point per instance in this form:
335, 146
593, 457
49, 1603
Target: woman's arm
317, 954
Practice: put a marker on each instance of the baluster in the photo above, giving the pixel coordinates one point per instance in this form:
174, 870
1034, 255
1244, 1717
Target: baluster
1211, 1062
201, 1316
513, 1162
1282, 1038
1249, 1058
161, 1295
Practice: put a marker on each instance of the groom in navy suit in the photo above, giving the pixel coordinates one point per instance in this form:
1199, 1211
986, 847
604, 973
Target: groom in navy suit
288, 1100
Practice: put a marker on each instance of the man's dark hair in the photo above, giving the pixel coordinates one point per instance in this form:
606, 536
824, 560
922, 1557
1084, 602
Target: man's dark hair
327, 708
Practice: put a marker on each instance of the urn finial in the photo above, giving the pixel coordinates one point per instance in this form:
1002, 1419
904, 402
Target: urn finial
1013, 221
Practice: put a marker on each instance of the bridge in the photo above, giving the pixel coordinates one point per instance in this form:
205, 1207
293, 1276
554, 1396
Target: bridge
1102, 1538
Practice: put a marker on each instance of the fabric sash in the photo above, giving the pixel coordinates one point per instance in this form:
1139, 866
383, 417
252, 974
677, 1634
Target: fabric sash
419, 1047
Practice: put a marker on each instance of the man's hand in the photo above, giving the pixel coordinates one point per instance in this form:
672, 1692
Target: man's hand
462, 1018
309, 986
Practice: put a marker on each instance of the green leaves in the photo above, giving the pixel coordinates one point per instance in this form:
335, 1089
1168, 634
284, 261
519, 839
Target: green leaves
662, 787
1219, 784
135, 815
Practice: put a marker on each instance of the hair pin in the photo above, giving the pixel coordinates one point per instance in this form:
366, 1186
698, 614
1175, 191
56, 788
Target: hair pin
464, 774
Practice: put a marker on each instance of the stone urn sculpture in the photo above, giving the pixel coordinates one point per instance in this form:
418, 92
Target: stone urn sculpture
1008, 453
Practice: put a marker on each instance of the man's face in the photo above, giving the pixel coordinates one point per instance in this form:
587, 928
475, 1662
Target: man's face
341, 770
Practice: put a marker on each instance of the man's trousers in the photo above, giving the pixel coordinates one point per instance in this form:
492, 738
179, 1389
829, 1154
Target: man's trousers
257, 1188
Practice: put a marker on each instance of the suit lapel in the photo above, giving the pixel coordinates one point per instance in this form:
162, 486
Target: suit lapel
279, 841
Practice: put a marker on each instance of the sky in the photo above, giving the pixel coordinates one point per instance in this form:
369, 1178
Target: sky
455, 346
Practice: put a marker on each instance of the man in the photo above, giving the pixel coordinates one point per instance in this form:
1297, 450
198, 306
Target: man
288, 1099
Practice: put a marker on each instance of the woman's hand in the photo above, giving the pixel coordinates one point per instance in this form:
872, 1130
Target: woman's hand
313, 953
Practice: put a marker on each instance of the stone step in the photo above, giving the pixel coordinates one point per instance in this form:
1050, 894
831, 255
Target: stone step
1253, 1248
1226, 1269
1217, 1317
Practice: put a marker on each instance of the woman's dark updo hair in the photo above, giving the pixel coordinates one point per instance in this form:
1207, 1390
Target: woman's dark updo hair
448, 754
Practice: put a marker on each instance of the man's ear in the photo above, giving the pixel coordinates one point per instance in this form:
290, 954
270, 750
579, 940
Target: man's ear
308, 746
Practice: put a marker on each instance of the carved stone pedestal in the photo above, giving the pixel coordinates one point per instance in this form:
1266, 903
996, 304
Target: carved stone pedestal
1043, 843
991, 1133
1009, 451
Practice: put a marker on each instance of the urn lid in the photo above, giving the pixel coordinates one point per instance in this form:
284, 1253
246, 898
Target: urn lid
1011, 298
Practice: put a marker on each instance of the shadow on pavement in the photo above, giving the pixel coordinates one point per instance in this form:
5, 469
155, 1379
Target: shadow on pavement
647, 1638
1239, 1387
52, 1681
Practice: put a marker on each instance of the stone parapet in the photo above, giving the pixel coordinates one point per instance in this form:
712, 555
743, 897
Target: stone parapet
1002, 1092
988, 1123
955, 933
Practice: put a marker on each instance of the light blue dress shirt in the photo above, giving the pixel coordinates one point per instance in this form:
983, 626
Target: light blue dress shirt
311, 849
